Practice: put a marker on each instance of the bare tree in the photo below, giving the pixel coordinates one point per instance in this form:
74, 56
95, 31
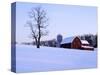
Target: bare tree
38, 24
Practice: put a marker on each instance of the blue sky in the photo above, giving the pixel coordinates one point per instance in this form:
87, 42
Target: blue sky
67, 20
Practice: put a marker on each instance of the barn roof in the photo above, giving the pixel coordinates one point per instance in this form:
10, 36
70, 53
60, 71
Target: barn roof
84, 42
70, 39
67, 40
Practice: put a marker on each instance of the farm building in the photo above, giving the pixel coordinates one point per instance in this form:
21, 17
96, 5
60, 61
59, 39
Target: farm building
76, 43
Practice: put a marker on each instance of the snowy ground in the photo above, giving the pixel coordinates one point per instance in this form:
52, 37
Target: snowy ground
31, 59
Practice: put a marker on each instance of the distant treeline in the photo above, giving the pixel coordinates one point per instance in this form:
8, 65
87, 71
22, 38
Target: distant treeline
49, 43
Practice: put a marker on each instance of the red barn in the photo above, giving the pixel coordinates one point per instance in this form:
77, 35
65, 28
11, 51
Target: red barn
76, 43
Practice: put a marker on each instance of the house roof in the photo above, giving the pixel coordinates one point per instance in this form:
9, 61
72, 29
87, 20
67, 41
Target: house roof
70, 39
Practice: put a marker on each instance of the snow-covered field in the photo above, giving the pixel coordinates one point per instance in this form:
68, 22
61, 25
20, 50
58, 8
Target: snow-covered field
31, 59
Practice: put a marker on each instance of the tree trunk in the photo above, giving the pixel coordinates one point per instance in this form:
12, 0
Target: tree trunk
38, 44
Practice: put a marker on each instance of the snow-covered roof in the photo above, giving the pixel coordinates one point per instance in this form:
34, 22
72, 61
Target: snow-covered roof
87, 46
70, 39
84, 42
67, 40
